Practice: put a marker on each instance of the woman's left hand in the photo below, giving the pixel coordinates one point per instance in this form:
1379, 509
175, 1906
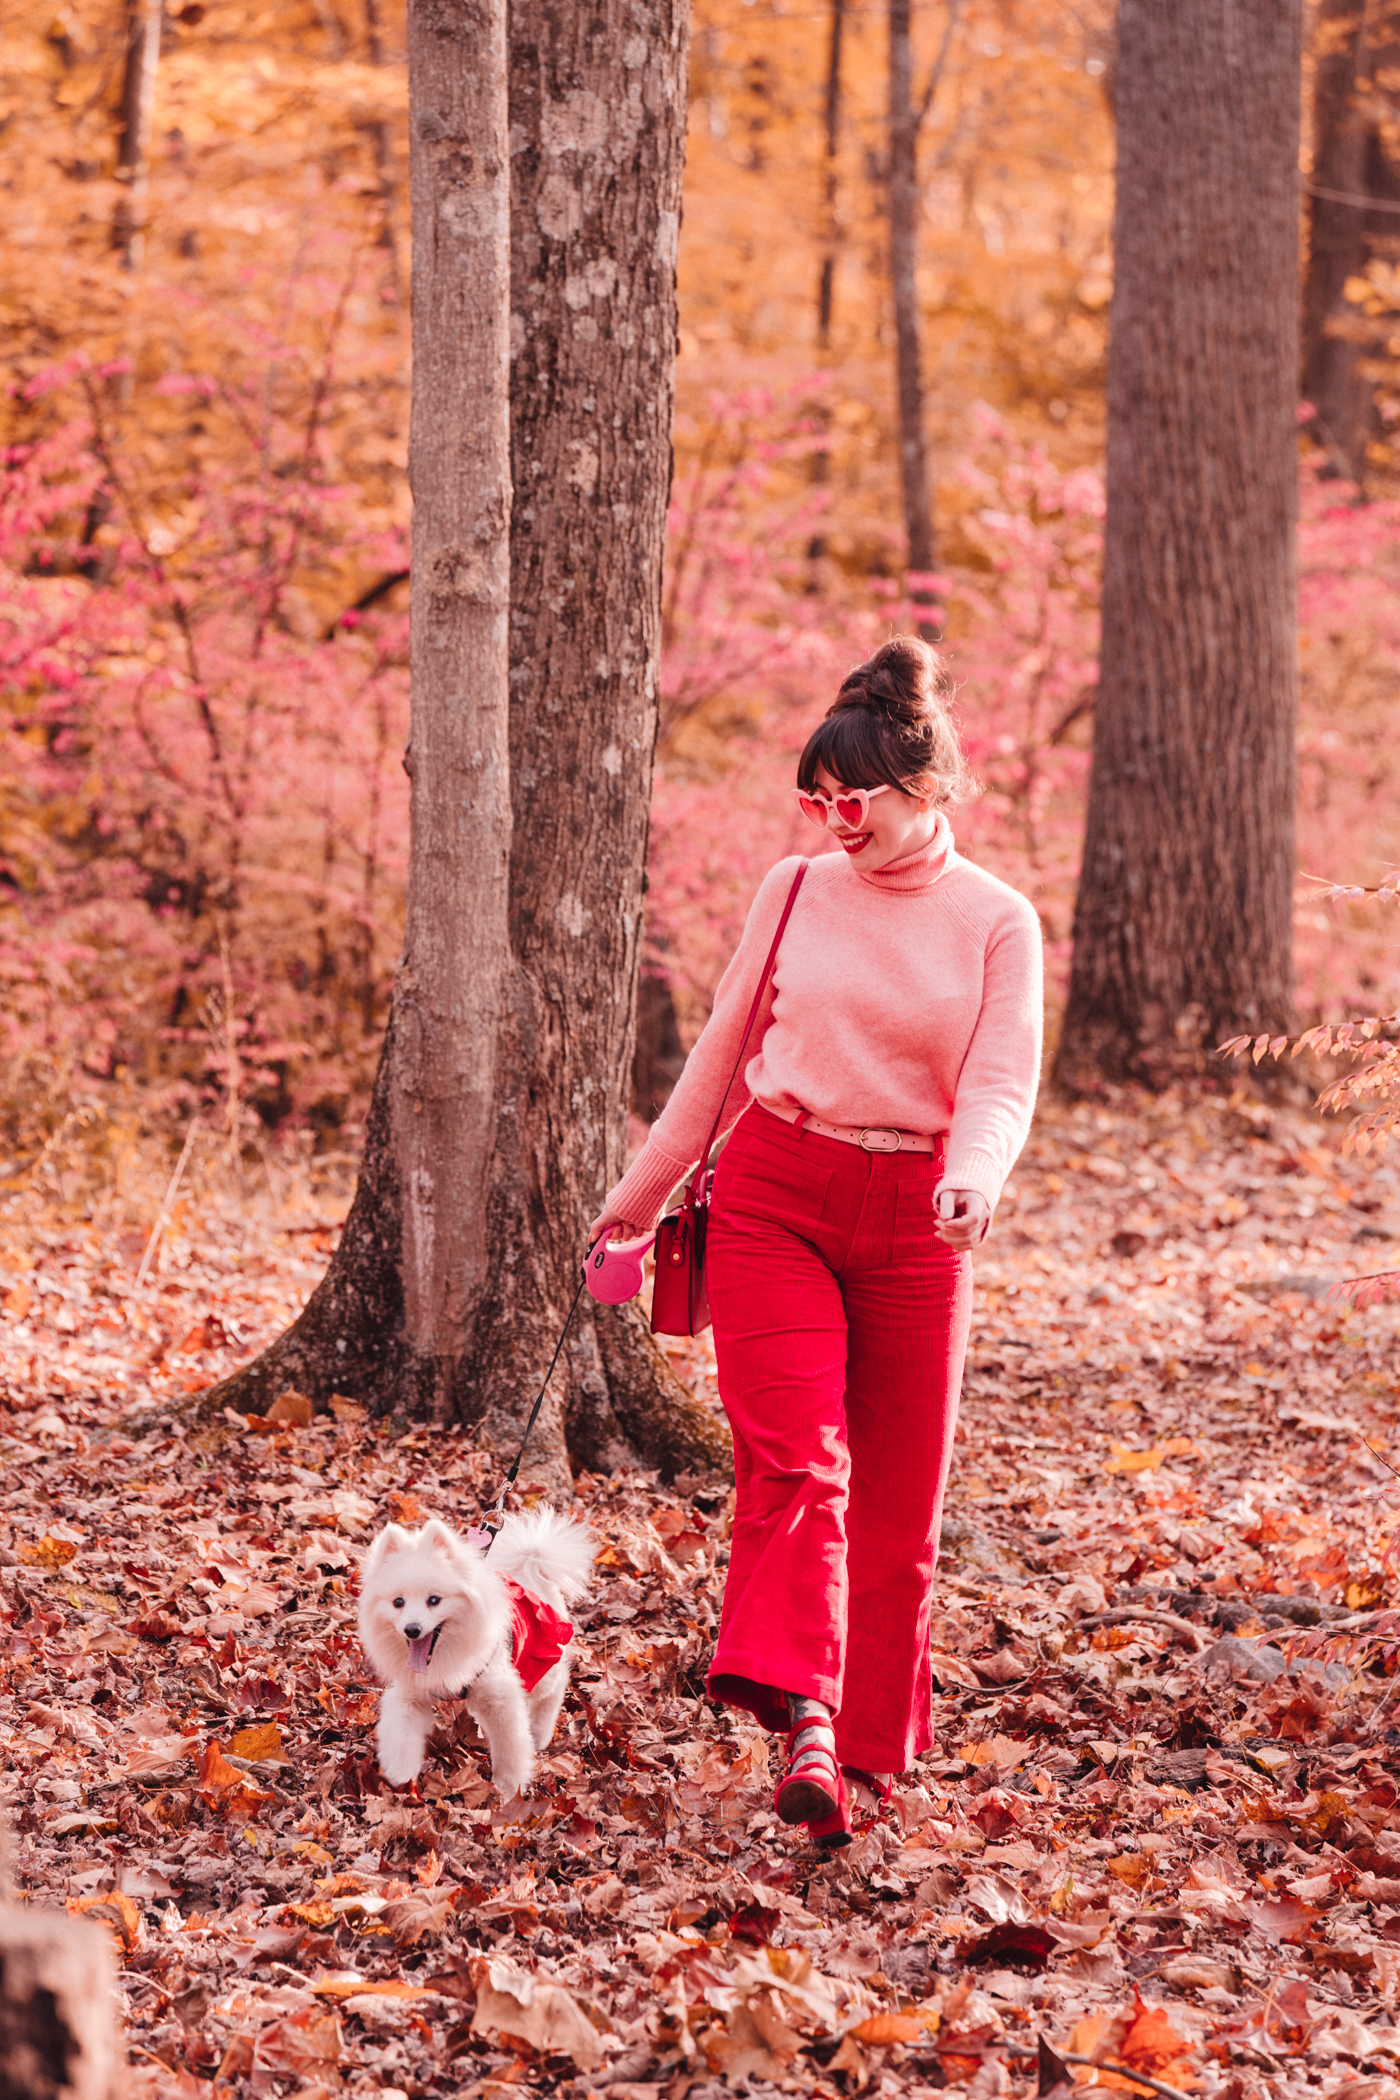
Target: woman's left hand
964, 1218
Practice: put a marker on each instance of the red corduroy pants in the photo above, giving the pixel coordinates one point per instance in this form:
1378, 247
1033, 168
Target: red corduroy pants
840, 1324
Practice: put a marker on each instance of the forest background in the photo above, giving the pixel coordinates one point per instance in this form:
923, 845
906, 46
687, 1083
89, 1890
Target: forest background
204, 515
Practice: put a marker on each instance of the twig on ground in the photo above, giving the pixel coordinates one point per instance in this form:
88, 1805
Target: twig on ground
1124, 1613
1156, 2085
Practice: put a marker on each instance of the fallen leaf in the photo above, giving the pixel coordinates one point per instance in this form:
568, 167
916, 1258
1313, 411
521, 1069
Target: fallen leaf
998, 1899
1125, 1460
741, 2049
224, 1787
1282, 1917
511, 2001
1196, 1972
352, 1511
49, 1552
346, 1983
1005, 1667
260, 1744
1003, 1751
252, 1600
1153, 2045
608, 1895
292, 1407
117, 1912
951, 1670
155, 1754
1134, 1868
881, 2029
1013, 1945
851, 2059
304, 2042
414, 1918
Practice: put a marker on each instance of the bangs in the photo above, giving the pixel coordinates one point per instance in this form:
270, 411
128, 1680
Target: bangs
857, 748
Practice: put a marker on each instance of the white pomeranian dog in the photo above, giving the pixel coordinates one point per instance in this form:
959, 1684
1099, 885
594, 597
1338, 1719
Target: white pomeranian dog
440, 1618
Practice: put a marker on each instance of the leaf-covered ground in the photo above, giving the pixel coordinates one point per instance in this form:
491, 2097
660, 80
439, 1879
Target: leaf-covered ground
1168, 1842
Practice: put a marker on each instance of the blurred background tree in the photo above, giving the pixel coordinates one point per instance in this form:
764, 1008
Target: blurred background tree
1184, 920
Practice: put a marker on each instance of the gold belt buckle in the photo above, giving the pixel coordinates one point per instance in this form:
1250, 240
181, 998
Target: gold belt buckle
867, 1140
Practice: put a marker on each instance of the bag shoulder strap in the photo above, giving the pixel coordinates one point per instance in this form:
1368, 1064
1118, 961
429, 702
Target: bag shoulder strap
698, 1176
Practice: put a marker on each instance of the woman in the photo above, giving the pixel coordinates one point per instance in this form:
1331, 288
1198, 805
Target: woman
888, 1089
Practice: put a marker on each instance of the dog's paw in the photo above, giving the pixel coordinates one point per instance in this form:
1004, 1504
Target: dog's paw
398, 1767
513, 1786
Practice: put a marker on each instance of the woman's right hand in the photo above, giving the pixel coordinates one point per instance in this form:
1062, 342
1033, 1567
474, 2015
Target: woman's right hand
607, 1225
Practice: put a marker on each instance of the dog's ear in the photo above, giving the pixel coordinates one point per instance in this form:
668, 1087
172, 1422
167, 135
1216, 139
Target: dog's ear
437, 1538
393, 1539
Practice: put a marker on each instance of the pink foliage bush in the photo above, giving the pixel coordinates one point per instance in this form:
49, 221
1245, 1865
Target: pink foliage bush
202, 812
203, 817
1348, 960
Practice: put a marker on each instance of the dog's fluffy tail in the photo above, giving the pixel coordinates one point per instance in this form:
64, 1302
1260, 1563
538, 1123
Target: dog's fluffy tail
542, 1551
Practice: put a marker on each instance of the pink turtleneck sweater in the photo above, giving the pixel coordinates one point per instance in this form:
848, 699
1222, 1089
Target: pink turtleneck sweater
908, 998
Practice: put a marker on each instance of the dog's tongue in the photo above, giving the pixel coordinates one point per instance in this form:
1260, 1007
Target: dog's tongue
420, 1653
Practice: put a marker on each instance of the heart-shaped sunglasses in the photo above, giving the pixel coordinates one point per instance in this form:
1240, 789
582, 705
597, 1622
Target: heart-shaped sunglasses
851, 806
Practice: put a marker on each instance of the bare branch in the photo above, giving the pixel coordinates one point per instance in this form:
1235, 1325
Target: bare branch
936, 76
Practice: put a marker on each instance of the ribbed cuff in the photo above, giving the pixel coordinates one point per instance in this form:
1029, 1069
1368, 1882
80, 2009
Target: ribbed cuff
974, 1170
643, 1189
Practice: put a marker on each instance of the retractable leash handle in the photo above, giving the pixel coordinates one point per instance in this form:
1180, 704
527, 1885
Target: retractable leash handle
613, 1268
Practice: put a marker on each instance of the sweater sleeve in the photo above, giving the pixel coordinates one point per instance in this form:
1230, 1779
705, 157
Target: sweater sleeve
1000, 1075
703, 1088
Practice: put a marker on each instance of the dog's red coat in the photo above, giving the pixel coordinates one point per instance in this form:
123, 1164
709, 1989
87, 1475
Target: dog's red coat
539, 1634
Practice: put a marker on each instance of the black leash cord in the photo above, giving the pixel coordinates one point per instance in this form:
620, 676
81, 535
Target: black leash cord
493, 1522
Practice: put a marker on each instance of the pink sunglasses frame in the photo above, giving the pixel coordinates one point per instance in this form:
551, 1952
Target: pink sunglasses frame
829, 804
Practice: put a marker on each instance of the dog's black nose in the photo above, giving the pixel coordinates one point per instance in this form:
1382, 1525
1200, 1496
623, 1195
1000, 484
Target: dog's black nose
411, 1633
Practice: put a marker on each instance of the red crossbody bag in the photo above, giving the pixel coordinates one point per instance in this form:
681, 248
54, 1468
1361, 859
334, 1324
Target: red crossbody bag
680, 1303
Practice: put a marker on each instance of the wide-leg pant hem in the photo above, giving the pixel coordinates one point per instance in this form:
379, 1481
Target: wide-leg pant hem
862, 1755
738, 1683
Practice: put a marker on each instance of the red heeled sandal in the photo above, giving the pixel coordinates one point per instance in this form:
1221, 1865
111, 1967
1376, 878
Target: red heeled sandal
830, 1833
810, 1789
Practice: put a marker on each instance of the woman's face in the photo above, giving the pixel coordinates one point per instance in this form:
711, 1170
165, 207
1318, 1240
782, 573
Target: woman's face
897, 824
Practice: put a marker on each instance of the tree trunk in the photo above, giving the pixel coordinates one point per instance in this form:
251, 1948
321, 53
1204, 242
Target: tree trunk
57, 2001
598, 100
903, 207
455, 1299
382, 146
450, 993
826, 282
1184, 920
1351, 172
137, 115
831, 148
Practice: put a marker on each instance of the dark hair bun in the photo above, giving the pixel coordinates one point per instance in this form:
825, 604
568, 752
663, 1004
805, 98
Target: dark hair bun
892, 721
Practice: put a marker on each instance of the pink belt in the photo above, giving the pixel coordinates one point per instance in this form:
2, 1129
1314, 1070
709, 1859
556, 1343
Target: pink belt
871, 1137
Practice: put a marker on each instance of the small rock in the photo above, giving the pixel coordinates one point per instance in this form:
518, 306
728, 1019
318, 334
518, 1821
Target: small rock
1260, 1663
